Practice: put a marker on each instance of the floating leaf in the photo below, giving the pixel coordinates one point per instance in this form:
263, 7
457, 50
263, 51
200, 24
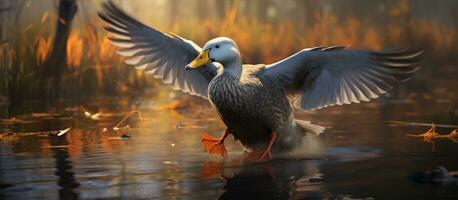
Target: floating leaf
62, 132
431, 134
95, 116
87, 114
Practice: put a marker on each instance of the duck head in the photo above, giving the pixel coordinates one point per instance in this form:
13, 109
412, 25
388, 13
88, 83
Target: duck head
222, 50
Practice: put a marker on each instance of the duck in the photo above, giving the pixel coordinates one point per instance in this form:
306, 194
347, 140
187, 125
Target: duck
439, 175
257, 102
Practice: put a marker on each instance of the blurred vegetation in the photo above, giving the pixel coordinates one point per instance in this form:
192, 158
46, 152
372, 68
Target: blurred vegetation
265, 31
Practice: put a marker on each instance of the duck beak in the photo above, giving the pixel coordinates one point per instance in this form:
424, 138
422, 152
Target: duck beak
201, 60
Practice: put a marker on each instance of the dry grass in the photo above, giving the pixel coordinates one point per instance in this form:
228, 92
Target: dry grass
95, 69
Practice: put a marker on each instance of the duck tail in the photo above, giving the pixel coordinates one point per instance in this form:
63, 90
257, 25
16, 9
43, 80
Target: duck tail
309, 127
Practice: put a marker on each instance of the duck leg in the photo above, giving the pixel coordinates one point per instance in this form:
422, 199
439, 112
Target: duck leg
214, 145
265, 154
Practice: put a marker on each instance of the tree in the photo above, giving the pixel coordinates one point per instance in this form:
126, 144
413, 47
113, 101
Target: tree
56, 63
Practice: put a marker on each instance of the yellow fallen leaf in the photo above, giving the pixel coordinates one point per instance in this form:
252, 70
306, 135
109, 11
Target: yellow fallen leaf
96, 116
430, 133
62, 132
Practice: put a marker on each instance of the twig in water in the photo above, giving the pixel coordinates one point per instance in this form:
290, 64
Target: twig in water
116, 127
62, 132
421, 124
431, 134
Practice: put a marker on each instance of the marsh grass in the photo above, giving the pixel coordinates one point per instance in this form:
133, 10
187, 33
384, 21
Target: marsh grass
95, 70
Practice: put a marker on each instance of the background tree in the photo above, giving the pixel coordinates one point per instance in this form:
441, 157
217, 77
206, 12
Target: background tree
56, 63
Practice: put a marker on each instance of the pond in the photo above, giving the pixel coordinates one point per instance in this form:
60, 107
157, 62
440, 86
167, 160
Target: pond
365, 153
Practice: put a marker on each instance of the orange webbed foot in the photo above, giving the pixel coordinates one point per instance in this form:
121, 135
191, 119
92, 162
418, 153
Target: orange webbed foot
264, 155
214, 145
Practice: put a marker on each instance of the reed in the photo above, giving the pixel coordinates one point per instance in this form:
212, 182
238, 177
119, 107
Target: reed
95, 70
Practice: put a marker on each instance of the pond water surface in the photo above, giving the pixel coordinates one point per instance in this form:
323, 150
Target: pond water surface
362, 154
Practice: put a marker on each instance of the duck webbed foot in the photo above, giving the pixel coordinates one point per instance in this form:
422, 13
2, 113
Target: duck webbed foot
263, 155
215, 145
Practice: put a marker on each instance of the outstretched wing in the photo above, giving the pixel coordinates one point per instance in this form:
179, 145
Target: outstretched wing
322, 77
162, 55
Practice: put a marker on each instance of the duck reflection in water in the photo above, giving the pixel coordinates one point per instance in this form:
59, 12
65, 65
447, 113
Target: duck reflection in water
277, 179
63, 165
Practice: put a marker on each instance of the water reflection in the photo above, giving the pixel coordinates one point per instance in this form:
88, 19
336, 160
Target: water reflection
164, 159
273, 180
64, 168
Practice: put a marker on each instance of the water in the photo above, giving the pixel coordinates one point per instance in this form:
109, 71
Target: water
361, 155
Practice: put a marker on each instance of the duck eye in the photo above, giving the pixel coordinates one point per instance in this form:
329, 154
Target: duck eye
217, 46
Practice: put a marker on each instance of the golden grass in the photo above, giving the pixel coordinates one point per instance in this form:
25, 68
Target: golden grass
74, 50
89, 51
43, 48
